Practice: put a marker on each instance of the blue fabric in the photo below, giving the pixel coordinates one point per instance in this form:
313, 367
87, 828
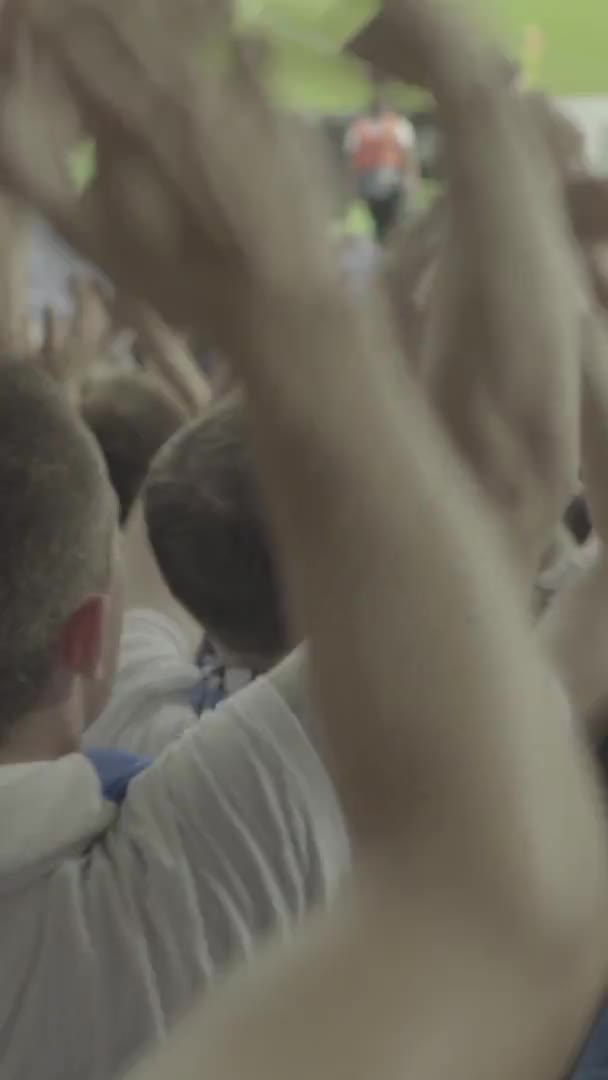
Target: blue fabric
116, 769
593, 1064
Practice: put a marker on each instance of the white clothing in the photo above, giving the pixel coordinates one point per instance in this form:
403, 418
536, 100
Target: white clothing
113, 917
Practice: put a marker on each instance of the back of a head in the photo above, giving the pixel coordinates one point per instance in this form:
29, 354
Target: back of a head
208, 531
131, 416
57, 530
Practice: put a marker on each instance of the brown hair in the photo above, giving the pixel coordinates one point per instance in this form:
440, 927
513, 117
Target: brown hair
57, 528
207, 527
131, 415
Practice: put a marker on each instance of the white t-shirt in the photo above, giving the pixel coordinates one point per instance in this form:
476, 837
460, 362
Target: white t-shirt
114, 917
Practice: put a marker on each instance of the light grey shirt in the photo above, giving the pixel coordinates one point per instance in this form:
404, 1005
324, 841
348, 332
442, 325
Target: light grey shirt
112, 918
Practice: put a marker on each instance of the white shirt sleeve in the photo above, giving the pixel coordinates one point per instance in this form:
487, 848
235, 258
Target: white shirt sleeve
234, 833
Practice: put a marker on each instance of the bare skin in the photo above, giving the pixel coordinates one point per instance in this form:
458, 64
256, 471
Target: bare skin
167, 355
523, 355
14, 235
474, 930
575, 630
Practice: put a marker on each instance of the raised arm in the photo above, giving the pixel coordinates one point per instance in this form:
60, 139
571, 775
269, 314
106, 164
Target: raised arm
409, 277
14, 254
575, 630
504, 242
452, 745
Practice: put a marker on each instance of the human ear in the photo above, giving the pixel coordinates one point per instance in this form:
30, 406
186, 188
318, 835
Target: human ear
81, 644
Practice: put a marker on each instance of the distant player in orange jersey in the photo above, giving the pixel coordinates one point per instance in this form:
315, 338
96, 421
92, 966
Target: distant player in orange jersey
381, 146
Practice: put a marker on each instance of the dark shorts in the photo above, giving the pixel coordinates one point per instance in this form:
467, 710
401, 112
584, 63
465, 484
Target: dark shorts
385, 211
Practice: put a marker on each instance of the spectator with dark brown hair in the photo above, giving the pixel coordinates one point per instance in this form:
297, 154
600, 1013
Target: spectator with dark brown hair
132, 415
207, 525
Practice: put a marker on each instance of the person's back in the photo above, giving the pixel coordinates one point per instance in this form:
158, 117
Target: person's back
112, 917
126, 885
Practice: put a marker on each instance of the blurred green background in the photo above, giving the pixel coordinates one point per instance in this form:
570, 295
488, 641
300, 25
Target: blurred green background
561, 42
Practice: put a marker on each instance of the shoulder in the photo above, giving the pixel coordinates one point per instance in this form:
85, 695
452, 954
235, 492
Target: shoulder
252, 772
240, 813
235, 828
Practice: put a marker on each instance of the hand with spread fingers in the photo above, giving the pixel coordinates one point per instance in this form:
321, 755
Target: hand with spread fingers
408, 277
165, 352
575, 629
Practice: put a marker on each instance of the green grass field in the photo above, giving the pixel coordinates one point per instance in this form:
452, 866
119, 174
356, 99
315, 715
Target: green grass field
310, 73
576, 41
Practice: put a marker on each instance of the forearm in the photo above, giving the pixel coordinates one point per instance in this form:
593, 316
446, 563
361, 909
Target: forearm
519, 311
14, 230
595, 418
408, 274
575, 630
408, 596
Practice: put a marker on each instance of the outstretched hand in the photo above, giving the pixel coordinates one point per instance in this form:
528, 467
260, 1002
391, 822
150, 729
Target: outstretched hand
189, 207
166, 353
71, 346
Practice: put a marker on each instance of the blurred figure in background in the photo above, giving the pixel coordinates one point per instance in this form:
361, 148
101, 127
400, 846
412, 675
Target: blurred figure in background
381, 147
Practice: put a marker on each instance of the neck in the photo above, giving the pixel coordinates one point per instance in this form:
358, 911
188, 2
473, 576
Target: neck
44, 735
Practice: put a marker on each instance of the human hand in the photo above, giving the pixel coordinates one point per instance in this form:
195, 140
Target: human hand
193, 232
71, 346
166, 353
520, 428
